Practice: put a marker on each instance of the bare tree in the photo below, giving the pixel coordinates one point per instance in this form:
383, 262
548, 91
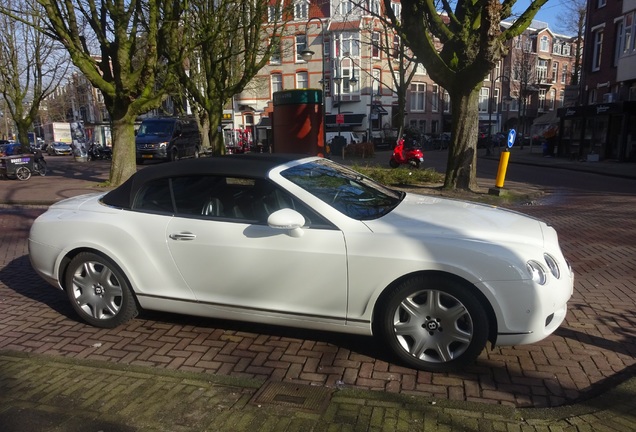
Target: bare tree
219, 48
524, 78
115, 44
573, 22
31, 67
459, 47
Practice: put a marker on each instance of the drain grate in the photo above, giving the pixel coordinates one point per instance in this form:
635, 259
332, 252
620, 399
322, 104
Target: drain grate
290, 395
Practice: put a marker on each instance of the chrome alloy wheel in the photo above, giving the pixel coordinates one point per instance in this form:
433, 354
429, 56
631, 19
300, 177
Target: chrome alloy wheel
97, 290
433, 322
433, 326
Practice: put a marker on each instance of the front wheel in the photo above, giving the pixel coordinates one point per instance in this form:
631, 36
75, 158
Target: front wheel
174, 155
23, 173
433, 323
415, 163
98, 291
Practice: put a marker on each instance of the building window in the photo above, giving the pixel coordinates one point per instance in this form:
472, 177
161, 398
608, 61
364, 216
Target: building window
542, 70
301, 10
447, 104
564, 74
277, 82
552, 98
556, 48
376, 81
561, 98
374, 6
275, 57
274, 13
347, 74
301, 45
566, 49
347, 43
397, 9
345, 7
418, 96
302, 80
601, 3
396, 46
627, 37
555, 72
420, 69
435, 98
620, 35
375, 45
597, 49
545, 44
484, 96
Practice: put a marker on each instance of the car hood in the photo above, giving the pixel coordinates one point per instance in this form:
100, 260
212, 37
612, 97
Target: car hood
426, 216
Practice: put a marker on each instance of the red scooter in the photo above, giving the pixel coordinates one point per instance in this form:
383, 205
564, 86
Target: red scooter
412, 155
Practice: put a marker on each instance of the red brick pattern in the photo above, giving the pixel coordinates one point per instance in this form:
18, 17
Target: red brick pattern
595, 347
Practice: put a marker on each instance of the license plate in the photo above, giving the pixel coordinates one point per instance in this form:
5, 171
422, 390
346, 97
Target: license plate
146, 156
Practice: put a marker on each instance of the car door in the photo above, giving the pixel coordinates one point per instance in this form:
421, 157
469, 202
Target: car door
232, 259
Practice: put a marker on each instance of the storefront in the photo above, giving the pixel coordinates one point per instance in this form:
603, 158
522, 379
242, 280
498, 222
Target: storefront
600, 131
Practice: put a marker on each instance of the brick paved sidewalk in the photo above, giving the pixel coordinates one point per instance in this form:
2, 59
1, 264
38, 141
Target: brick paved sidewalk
41, 393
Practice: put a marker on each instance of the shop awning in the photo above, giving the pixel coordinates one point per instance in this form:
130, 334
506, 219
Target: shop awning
264, 123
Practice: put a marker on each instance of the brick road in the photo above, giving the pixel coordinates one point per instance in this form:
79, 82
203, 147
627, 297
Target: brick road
594, 349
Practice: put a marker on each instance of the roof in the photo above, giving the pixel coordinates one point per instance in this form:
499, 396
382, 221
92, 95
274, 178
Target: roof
255, 165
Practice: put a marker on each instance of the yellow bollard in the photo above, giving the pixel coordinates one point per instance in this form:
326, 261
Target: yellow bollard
503, 166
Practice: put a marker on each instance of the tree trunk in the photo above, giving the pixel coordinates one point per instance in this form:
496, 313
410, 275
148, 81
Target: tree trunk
124, 161
215, 115
23, 136
461, 171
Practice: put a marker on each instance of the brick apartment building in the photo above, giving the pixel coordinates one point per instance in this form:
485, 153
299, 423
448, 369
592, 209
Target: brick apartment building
602, 125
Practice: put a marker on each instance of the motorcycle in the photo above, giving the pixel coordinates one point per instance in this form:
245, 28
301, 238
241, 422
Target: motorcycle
98, 152
411, 155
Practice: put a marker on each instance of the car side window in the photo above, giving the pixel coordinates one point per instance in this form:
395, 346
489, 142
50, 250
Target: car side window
154, 197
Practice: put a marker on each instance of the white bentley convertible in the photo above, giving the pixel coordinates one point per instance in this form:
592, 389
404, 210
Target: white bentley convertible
303, 241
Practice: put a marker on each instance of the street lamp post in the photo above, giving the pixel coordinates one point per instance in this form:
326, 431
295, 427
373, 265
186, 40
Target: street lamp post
492, 93
491, 98
306, 55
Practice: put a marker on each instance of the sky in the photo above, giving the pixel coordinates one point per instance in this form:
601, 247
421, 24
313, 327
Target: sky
551, 12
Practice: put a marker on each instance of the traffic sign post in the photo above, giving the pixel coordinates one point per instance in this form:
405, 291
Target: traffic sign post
503, 165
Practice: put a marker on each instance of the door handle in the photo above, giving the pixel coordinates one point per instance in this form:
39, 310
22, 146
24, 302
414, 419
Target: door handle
183, 236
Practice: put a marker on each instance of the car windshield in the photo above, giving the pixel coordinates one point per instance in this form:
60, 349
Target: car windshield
156, 128
346, 190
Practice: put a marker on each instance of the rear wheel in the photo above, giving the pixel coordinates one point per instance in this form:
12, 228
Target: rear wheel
40, 167
433, 323
98, 291
393, 163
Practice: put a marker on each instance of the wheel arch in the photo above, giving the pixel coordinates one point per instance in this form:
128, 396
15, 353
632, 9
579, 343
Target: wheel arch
490, 312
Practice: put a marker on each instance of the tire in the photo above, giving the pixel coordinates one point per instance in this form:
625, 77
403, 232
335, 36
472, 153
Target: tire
196, 153
174, 155
40, 168
23, 173
415, 163
98, 291
393, 163
433, 323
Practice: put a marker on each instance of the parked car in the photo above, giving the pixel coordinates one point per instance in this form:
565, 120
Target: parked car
9, 148
328, 248
167, 138
59, 149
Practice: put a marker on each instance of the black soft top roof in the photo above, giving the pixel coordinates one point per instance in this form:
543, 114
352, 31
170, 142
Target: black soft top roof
255, 165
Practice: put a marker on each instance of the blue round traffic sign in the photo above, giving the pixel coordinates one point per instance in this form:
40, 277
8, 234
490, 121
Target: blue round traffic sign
511, 137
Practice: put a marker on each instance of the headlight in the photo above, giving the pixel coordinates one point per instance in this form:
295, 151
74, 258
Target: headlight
163, 144
537, 272
552, 265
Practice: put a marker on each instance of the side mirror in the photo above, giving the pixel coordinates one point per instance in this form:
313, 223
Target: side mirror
289, 220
